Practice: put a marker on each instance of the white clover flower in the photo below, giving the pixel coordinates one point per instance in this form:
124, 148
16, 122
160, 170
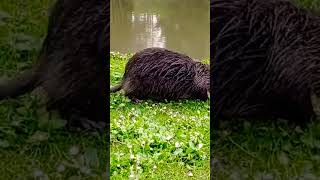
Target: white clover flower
60, 168
190, 174
38, 173
131, 156
177, 144
131, 175
169, 137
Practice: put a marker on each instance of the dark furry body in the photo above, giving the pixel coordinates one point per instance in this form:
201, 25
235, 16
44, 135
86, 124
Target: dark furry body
265, 58
72, 62
157, 73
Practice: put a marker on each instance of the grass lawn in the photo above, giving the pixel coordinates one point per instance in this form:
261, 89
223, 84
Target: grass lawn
31, 146
268, 150
265, 149
154, 140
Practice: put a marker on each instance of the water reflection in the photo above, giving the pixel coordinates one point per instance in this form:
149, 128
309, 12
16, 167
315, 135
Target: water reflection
180, 25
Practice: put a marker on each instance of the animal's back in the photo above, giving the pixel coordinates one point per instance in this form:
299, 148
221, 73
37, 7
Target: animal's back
159, 73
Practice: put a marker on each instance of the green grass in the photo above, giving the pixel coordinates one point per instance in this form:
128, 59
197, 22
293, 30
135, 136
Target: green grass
153, 140
309, 4
250, 150
31, 146
267, 150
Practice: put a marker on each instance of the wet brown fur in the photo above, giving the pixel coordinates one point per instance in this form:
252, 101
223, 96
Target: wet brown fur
265, 58
159, 74
72, 63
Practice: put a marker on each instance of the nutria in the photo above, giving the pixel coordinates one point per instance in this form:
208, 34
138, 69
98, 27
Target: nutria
265, 60
72, 63
159, 74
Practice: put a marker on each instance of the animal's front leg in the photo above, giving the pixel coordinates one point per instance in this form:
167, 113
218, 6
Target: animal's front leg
136, 100
78, 122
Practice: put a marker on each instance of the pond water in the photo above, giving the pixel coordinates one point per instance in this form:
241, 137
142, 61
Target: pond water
179, 25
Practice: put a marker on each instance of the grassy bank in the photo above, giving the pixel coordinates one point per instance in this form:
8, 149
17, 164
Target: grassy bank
154, 140
31, 146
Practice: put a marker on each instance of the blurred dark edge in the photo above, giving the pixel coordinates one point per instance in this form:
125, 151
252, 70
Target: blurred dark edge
107, 98
104, 39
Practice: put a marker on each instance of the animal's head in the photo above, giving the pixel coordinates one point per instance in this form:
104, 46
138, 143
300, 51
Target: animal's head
202, 77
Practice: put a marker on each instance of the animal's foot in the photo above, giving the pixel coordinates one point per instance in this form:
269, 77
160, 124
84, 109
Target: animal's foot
79, 123
316, 105
135, 100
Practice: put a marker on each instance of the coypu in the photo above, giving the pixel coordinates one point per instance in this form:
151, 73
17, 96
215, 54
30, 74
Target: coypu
265, 60
72, 63
159, 74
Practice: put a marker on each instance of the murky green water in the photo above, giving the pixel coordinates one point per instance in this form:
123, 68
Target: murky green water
179, 25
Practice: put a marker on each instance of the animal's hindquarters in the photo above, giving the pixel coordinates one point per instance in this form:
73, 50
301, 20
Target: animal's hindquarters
21, 84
